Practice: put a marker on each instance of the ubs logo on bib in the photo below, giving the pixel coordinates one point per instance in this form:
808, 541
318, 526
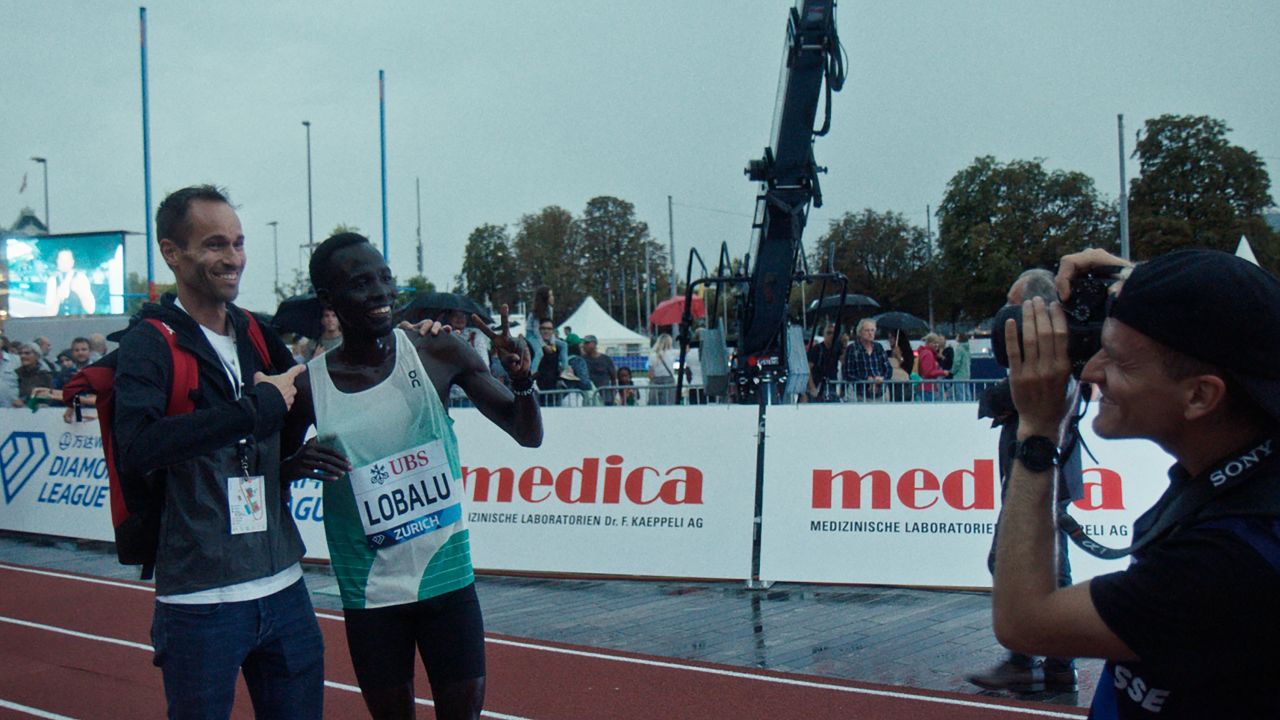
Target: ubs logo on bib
21, 455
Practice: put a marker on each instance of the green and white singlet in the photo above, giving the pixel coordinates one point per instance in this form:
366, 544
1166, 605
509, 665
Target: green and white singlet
396, 527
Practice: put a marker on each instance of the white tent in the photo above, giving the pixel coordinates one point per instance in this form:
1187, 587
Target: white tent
1245, 251
614, 337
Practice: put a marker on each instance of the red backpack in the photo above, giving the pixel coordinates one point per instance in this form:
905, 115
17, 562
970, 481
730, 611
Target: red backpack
137, 500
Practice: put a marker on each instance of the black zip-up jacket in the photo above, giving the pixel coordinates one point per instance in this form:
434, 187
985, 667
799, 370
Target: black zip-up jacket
194, 454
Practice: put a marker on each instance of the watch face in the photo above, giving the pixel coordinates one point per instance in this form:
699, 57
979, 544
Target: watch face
1038, 453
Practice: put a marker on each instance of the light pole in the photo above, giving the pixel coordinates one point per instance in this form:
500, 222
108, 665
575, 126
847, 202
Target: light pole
44, 165
311, 234
275, 251
1124, 194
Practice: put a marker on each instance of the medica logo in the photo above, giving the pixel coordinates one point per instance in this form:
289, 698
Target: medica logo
589, 482
972, 488
21, 455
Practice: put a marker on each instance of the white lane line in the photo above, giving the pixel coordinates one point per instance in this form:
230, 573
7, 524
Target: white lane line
672, 665
787, 681
81, 578
34, 712
767, 678
76, 633
142, 646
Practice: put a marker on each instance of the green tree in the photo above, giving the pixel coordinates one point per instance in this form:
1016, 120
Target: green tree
547, 253
612, 246
998, 219
489, 267
882, 254
412, 287
299, 285
1197, 189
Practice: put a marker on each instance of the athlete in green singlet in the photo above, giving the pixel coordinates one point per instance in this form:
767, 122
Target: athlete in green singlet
393, 512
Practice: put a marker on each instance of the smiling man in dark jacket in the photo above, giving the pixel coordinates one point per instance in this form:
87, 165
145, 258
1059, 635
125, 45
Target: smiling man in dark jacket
229, 589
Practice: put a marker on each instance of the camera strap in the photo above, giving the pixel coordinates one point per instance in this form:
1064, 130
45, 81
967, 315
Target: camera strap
1221, 491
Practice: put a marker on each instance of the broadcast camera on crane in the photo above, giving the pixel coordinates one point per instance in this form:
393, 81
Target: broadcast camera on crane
767, 348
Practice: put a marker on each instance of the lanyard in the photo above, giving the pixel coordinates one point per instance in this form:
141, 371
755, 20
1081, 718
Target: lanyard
1185, 499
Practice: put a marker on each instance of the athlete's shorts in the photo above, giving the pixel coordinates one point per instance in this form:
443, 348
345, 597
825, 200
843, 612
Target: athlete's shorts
448, 631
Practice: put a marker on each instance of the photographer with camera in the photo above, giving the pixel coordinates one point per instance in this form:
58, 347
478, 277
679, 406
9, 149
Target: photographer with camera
1019, 672
1189, 630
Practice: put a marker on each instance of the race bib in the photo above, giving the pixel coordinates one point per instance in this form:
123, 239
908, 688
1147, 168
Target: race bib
406, 495
246, 504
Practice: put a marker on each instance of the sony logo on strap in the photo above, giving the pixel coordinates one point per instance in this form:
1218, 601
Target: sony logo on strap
1233, 468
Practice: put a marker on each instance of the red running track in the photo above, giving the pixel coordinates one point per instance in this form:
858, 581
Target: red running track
79, 647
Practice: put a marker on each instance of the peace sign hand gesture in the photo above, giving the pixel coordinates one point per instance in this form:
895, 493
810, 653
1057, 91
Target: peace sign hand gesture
513, 352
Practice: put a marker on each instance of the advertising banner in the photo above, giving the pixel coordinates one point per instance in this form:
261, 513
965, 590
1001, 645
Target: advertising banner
53, 479
876, 493
664, 491
660, 491
910, 494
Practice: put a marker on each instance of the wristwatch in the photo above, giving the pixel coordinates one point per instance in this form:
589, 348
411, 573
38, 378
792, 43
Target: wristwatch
1037, 453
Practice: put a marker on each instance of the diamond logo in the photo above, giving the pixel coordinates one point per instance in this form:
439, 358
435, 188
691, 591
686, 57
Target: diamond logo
21, 455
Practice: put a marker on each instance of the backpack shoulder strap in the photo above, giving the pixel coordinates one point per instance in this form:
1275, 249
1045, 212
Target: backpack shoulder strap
185, 371
257, 339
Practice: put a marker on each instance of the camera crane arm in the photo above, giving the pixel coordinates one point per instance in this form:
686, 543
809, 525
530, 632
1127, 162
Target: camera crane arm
814, 60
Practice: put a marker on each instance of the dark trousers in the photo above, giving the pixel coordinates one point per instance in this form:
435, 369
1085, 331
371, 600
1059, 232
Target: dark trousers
275, 641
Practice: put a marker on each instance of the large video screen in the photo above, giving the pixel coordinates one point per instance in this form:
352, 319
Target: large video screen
52, 275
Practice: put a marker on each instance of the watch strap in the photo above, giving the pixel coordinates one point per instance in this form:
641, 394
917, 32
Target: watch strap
1037, 453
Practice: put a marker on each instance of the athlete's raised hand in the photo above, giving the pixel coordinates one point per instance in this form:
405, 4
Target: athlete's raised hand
513, 352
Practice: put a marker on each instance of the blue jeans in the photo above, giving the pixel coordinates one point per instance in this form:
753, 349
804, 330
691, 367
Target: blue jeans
275, 640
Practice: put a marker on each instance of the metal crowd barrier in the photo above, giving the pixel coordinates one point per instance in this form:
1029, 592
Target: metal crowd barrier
907, 391
840, 391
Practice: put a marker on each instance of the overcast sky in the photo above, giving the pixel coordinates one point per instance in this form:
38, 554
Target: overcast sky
503, 108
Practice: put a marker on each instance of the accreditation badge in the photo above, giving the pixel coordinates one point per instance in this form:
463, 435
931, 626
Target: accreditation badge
246, 504
407, 494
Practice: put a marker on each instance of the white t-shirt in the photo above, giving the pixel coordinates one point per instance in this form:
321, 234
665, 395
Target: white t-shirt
693, 361
662, 365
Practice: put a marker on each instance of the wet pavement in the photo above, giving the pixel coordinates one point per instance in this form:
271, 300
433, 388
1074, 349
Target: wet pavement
895, 636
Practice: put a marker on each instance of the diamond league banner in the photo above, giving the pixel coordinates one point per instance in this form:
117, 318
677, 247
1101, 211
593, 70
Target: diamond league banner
53, 478
910, 494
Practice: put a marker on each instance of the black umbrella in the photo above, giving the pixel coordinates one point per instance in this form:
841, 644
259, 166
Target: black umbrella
852, 302
299, 315
897, 320
431, 304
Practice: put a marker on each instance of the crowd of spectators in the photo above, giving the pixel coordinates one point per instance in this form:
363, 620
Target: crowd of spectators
573, 370
30, 374
866, 368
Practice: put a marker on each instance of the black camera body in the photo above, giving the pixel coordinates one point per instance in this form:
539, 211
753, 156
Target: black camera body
1086, 310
